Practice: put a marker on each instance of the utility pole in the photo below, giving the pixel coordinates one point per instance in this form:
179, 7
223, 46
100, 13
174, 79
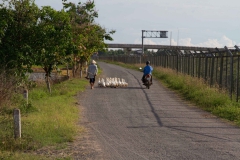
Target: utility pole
171, 38
143, 41
177, 37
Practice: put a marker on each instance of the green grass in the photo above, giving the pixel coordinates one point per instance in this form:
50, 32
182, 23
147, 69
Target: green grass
197, 92
55, 121
48, 119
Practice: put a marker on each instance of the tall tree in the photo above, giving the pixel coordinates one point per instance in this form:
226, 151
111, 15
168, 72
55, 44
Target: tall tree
88, 37
81, 15
93, 41
17, 19
52, 38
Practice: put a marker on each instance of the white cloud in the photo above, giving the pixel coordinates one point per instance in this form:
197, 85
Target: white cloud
227, 41
224, 41
185, 42
210, 43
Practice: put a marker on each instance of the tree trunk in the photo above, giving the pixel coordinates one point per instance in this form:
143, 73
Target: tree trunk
80, 66
67, 71
48, 84
48, 70
80, 73
86, 69
74, 69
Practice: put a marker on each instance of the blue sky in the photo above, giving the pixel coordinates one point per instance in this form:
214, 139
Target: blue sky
206, 23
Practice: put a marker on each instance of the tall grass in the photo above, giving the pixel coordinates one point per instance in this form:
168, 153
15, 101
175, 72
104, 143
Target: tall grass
213, 100
192, 89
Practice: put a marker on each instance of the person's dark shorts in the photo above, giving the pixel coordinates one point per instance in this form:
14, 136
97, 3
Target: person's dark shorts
92, 80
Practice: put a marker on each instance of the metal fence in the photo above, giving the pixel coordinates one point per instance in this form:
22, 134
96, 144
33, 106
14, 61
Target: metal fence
219, 67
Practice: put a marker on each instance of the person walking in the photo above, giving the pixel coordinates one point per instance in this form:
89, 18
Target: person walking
92, 72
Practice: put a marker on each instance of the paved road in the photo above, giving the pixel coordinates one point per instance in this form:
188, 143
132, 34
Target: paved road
135, 123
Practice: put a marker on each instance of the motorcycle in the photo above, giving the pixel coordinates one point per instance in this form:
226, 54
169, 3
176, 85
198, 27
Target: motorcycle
147, 80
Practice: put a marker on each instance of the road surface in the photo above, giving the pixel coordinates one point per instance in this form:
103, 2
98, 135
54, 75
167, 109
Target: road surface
136, 123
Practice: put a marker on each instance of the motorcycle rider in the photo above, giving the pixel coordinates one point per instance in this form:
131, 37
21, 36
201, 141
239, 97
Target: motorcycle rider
147, 70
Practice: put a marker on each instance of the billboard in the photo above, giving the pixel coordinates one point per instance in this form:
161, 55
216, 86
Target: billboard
154, 34
163, 34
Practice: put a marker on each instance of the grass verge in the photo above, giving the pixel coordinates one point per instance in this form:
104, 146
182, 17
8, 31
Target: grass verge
194, 90
48, 120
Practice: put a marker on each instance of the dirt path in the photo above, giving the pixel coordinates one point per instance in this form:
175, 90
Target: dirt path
137, 123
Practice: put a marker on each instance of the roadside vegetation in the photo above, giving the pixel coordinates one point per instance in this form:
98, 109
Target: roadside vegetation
53, 42
50, 121
195, 91
42, 36
47, 120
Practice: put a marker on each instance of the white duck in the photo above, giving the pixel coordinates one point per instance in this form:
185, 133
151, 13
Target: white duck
113, 83
116, 81
107, 82
103, 83
99, 83
119, 82
125, 84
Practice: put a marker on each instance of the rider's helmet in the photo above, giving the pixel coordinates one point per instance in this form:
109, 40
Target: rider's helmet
148, 62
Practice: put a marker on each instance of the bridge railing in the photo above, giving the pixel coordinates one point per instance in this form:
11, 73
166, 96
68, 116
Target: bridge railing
219, 68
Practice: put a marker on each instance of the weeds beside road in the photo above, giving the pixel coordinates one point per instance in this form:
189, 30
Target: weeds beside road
48, 120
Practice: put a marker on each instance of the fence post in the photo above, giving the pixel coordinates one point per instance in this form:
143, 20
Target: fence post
188, 63
177, 64
206, 68
25, 94
221, 69
17, 123
193, 65
199, 65
237, 76
212, 67
231, 70
237, 79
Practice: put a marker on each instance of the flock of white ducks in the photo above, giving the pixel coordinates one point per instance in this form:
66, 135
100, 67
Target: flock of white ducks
112, 82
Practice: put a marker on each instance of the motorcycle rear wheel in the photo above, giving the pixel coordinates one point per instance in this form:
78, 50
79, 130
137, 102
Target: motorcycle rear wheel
148, 85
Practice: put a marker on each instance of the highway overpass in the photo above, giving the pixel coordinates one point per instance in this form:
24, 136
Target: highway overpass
147, 46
